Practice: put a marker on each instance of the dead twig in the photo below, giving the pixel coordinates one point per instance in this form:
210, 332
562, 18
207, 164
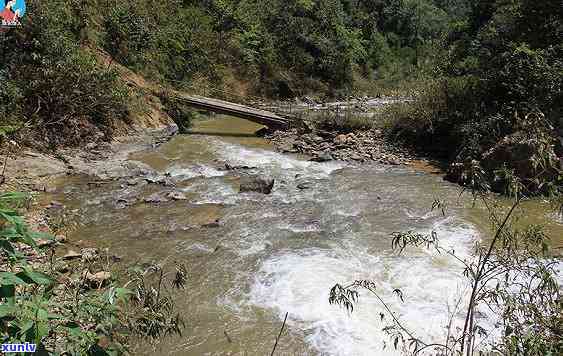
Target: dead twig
279, 335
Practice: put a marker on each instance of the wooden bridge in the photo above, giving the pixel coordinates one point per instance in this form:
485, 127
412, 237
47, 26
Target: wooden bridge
262, 117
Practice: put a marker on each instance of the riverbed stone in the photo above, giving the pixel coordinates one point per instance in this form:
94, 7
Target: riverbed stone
97, 280
155, 198
340, 140
72, 255
89, 254
176, 196
324, 156
256, 184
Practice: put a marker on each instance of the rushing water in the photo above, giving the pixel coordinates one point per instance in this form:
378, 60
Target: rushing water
283, 252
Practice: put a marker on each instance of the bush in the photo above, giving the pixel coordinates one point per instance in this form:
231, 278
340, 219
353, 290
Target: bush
180, 113
65, 314
53, 85
128, 35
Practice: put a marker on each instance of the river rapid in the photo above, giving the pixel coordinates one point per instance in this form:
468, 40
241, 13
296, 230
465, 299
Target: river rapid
281, 253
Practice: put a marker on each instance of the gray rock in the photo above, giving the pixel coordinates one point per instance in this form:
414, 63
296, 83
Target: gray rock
256, 184
325, 156
72, 255
156, 198
214, 224
176, 196
304, 185
97, 280
288, 148
89, 254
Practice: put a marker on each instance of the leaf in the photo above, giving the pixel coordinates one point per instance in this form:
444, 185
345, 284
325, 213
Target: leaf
8, 292
6, 310
399, 294
36, 277
8, 278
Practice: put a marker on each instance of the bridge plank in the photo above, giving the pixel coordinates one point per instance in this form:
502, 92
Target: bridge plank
261, 117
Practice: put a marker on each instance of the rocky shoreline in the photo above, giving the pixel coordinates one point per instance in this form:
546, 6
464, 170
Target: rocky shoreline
360, 146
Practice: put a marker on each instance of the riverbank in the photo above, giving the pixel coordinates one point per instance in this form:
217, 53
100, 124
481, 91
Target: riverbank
357, 146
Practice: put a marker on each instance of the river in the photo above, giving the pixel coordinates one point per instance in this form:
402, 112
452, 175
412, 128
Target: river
278, 253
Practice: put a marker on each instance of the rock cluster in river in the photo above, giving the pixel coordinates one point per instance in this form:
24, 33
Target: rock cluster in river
358, 146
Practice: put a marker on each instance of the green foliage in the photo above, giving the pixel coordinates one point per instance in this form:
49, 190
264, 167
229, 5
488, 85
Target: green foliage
128, 34
53, 85
182, 114
501, 77
36, 307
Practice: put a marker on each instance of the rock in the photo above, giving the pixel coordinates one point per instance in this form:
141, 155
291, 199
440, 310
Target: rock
288, 148
72, 255
256, 184
325, 156
89, 254
263, 132
157, 180
213, 224
356, 157
155, 198
340, 140
41, 243
237, 168
305, 184
132, 182
176, 196
97, 280
55, 205
62, 267
317, 139
351, 138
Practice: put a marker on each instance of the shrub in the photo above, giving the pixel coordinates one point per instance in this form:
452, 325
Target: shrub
53, 85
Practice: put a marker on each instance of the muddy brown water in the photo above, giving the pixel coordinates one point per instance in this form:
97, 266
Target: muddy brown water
283, 252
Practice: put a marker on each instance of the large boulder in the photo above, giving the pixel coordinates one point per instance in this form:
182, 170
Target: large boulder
256, 184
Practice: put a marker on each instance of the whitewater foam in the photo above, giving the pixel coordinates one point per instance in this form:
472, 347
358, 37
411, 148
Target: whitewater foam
298, 282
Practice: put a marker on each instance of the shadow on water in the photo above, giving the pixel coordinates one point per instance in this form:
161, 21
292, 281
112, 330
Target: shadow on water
221, 134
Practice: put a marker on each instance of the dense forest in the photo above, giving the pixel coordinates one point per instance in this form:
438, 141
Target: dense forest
482, 71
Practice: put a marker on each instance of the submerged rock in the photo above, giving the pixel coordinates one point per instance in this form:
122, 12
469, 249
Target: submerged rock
256, 184
305, 185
